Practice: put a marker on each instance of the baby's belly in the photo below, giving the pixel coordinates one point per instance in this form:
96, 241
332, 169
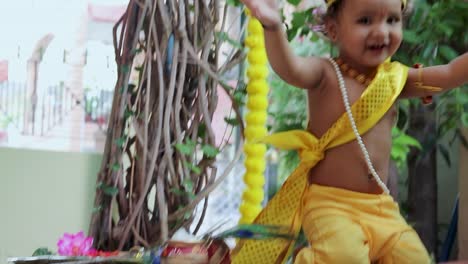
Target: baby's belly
345, 167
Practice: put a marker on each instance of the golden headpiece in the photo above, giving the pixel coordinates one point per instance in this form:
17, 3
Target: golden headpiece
330, 2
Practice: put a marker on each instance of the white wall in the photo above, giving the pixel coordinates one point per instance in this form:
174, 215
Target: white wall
42, 195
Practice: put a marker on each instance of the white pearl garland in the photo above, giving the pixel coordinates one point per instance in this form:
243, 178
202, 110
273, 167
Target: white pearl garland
344, 93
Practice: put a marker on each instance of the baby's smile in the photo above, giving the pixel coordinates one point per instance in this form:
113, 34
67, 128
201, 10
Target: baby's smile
377, 47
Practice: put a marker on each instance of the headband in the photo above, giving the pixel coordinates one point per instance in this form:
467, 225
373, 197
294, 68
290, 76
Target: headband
330, 2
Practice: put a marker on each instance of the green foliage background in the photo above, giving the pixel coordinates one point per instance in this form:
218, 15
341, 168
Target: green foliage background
435, 33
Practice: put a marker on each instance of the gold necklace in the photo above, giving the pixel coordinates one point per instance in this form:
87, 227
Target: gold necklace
359, 77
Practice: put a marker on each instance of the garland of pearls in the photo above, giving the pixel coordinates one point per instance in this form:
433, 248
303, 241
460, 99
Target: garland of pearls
257, 103
344, 94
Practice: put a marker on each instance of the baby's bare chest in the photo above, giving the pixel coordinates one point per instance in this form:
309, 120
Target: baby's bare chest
327, 109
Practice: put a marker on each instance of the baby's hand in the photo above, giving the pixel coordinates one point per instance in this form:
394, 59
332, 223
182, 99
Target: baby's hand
266, 11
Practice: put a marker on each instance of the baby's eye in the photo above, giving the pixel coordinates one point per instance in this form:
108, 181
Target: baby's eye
393, 20
364, 20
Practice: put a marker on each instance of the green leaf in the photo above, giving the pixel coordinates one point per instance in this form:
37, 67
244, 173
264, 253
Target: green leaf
136, 51
448, 52
122, 89
446, 126
191, 196
183, 148
399, 152
176, 191
115, 167
294, 2
125, 69
445, 153
446, 29
193, 168
139, 68
188, 185
299, 24
408, 141
299, 19
120, 142
191, 7
187, 215
232, 121
201, 130
210, 151
239, 96
186, 148
128, 113
464, 119
411, 37
97, 209
233, 2
43, 251
109, 190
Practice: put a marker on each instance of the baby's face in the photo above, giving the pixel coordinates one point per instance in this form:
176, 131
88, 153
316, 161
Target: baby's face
368, 31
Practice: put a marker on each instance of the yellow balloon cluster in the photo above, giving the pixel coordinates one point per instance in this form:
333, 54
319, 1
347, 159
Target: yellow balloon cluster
257, 103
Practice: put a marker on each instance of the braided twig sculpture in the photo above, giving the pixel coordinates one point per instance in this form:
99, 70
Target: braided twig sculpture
160, 149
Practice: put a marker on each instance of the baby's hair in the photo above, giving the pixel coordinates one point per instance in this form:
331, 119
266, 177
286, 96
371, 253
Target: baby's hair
335, 7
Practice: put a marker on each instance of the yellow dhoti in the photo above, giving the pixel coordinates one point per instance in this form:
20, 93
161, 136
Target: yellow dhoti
343, 226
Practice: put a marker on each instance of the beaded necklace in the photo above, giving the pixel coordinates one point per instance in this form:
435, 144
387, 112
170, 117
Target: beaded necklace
360, 77
344, 94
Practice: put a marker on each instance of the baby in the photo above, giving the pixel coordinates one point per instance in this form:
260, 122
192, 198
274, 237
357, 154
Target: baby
338, 194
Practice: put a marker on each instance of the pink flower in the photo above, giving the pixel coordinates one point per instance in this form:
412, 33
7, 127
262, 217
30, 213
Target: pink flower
319, 11
74, 244
318, 28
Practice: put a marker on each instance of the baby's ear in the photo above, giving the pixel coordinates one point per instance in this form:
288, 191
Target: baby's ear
330, 29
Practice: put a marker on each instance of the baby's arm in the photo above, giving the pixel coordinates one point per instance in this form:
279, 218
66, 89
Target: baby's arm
295, 70
445, 77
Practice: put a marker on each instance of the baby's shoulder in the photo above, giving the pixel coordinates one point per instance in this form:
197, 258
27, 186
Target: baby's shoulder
329, 75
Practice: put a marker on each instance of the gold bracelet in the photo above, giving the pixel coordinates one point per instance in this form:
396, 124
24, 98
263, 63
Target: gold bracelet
428, 99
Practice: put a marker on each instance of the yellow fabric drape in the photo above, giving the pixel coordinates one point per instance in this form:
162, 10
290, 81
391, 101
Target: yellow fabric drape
285, 207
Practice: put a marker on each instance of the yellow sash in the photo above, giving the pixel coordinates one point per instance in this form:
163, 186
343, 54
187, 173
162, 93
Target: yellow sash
285, 207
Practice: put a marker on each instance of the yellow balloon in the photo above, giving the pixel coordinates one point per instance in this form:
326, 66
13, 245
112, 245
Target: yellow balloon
249, 210
257, 72
256, 118
252, 41
254, 180
255, 132
255, 165
257, 103
254, 26
255, 196
257, 57
258, 87
260, 48
255, 150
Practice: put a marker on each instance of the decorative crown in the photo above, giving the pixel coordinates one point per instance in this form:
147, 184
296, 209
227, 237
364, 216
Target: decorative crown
330, 2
